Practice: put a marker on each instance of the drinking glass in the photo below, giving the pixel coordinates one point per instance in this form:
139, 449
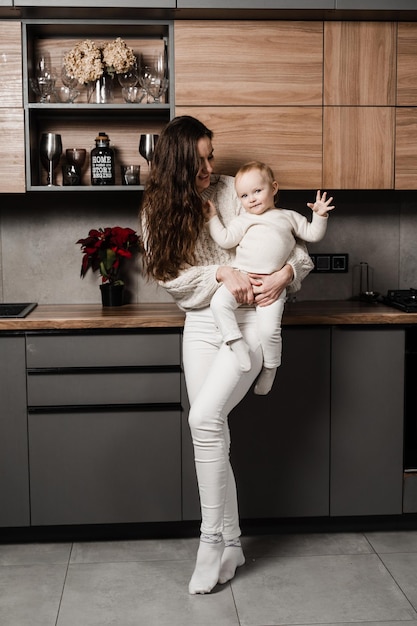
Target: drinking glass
147, 145
50, 151
76, 158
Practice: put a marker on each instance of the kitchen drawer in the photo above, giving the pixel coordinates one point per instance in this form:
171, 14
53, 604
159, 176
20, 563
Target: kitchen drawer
105, 467
92, 387
103, 350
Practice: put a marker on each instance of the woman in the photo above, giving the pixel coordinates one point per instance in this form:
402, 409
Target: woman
182, 257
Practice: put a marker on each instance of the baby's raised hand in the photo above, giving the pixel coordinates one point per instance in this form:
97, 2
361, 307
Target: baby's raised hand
321, 206
209, 210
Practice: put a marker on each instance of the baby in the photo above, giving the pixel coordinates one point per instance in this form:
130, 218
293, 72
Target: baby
264, 237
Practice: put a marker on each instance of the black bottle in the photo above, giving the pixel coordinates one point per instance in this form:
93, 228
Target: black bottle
102, 162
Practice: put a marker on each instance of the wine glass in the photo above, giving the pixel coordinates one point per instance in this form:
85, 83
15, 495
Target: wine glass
50, 151
157, 87
43, 84
147, 145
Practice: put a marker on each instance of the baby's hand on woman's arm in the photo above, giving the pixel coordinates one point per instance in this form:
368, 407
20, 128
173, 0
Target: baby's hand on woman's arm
321, 205
209, 210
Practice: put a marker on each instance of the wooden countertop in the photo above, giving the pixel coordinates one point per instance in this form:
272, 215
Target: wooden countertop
165, 315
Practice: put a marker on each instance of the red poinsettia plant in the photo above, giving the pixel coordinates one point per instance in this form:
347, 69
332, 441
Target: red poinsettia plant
104, 250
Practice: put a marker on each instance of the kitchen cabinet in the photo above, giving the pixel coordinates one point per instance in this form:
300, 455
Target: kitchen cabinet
359, 105
359, 63
406, 64
367, 397
14, 472
80, 122
358, 147
104, 428
261, 95
12, 158
280, 442
289, 138
406, 112
405, 148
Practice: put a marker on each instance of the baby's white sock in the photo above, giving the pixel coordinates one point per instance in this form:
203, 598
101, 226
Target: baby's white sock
207, 567
265, 381
232, 558
241, 349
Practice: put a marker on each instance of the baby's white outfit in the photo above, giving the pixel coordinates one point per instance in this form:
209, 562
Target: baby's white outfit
263, 244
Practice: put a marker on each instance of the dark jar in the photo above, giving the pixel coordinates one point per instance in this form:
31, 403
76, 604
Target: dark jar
102, 162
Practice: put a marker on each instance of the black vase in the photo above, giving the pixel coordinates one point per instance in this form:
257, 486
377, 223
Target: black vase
111, 295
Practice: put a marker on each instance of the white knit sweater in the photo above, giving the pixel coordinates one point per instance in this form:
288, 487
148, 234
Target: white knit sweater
194, 287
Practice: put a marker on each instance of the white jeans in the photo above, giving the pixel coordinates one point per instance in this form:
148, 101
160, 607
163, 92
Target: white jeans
223, 306
215, 385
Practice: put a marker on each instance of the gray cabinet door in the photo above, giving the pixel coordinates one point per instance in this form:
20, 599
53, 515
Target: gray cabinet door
105, 467
377, 5
14, 476
367, 421
280, 442
257, 4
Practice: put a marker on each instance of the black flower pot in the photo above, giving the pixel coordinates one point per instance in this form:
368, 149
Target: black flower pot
111, 295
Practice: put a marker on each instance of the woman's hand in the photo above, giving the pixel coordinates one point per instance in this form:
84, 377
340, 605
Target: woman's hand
238, 283
267, 288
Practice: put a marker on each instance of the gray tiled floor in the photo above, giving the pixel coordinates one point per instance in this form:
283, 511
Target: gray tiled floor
301, 579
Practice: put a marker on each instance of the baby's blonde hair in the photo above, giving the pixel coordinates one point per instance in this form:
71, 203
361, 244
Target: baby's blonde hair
263, 168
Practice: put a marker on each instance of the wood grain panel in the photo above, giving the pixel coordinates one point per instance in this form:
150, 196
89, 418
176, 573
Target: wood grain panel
406, 149
10, 64
407, 64
289, 139
359, 63
248, 63
12, 156
358, 147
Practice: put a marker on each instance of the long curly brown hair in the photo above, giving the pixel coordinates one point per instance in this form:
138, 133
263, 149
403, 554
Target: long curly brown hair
172, 209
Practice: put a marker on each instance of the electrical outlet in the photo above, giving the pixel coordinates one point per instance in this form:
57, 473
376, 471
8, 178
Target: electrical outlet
330, 263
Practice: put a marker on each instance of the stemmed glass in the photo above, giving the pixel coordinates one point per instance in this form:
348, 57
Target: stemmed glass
44, 82
50, 151
147, 145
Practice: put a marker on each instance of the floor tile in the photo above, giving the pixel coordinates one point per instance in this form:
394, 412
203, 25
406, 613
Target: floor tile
403, 568
394, 541
318, 590
305, 544
143, 550
34, 553
148, 593
30, 595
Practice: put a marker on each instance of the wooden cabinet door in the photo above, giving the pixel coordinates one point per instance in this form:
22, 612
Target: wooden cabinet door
248, 63
10, 64
405, 148
289, 139
358, 147
407, 64
359, 63
12, 158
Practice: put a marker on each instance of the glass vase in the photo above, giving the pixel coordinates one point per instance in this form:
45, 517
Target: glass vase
100, 91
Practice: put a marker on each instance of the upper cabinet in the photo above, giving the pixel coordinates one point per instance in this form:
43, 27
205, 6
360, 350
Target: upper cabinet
359, 63
359, 105
258, 86
406, 122
79, 121
12, 159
